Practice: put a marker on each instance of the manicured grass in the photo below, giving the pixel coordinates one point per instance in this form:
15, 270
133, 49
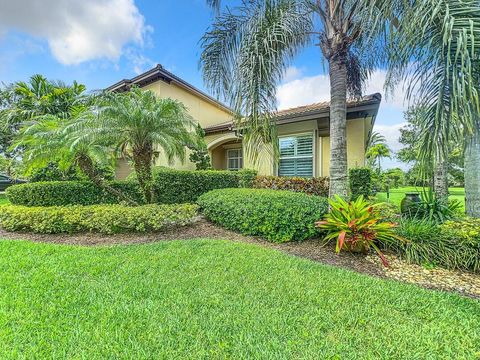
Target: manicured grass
3, 199
216, 299
396, 195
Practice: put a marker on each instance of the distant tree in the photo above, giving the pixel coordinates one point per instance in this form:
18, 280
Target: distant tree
395, 177
422, 171
376, 153
22, 103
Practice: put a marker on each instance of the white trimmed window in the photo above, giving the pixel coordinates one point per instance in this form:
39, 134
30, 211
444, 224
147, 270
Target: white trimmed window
296, 155
234, 159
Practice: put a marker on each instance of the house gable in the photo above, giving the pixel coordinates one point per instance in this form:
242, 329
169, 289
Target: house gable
201, 106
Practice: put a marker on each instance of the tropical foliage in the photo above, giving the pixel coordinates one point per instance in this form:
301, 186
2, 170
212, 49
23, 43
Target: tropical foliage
248, 49
139, 125
357, 226
435, 48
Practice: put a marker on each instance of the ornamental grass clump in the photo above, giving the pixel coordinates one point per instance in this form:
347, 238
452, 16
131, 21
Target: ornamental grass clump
357, 226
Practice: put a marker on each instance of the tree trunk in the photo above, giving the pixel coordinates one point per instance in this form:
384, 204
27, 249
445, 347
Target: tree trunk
88, 168
440, 181
472, 173
338, 126
142, 163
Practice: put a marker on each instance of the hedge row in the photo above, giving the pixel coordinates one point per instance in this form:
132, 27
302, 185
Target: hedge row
106, 219
312, 186
278, 216
178, 186
61, 193
170, 186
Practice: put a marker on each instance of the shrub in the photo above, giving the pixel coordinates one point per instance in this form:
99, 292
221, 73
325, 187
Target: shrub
311, 186
433, 209
360, 180
356, 225
61, 193
107, 219
181, 186
278, 216
453, 245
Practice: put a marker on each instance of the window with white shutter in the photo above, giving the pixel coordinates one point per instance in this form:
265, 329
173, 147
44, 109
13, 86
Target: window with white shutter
296, 155
234, 159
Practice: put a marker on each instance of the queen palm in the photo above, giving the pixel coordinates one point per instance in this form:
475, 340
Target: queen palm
436, 47
139, 124
247, 50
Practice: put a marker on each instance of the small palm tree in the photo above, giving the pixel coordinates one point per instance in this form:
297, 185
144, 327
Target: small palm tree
247, 50
50, 138
376, 153
139, 124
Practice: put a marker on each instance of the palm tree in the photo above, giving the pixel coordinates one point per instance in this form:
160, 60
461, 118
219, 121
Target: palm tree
374, 139
247, 50
436, 47
50, 138
138, 124
40, 96
375, 153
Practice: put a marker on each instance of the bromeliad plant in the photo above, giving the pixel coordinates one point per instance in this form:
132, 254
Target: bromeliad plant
356, 226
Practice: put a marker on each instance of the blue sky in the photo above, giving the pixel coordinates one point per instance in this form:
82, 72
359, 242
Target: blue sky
99, 42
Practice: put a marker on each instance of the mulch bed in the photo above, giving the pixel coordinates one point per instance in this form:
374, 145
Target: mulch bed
313, 249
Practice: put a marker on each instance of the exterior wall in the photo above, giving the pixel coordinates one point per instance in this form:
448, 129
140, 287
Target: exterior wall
356, 139
357, 131
201, 110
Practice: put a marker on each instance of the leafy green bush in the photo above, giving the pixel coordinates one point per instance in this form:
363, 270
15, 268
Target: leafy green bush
356, 226
278, 216
107, 219
311, 186
180, 186
61, 193
453, 245
361, 184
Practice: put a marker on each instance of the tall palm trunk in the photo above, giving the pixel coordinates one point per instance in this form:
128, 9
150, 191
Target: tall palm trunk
88, 168
440, 181
142, 163
472, 172
338, 126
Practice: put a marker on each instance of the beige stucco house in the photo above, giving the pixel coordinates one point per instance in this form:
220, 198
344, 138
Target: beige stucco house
303, 131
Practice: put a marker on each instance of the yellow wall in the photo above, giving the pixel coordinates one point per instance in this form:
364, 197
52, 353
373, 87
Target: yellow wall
201, 110
355, 146
204, 112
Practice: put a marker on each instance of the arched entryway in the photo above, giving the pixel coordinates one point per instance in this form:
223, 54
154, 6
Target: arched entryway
226, 152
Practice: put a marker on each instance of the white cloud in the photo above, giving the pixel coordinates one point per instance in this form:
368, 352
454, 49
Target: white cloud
292, 73
313, 89
303, 91
392, 134
77, 31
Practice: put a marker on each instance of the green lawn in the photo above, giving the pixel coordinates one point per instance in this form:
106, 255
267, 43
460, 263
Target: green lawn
216, 299
396, 195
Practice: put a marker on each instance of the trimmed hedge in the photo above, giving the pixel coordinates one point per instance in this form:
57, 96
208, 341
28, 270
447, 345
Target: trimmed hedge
361, 183
61, 193
170, 186
106, 219
277, 215
312, 186
179, 186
